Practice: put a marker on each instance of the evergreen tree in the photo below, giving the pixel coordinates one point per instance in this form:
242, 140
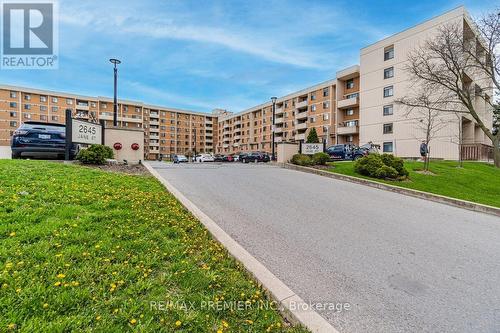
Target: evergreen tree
312, 137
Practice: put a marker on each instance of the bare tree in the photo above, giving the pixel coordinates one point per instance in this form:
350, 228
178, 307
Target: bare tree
421, 110
461, 66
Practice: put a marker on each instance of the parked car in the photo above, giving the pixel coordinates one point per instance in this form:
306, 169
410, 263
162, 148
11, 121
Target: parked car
227, 158
180, 159
236, 157
42, 140
345, 152
254, 157
218, 158
204, 158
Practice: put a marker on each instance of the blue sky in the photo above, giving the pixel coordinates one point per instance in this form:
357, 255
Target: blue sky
200, 55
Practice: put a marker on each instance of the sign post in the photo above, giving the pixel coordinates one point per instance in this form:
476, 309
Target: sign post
82, 131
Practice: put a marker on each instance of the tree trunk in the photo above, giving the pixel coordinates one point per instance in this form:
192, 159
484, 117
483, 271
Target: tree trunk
496, 151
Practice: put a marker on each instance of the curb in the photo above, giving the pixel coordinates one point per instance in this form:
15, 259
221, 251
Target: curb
476, 207
275, 287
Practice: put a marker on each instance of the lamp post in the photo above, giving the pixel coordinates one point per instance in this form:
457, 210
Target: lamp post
194, 130
115, 102
273, 99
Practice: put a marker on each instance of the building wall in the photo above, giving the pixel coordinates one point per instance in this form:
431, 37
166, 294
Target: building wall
406, 135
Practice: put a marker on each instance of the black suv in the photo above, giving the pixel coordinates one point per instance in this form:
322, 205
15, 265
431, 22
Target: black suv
254, 157
345, 152
44, 140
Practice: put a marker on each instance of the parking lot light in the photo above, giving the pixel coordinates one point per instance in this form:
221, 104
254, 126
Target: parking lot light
115, 102
273, 100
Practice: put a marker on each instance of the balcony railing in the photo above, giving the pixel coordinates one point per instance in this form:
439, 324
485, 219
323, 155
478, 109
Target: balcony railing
301, 126
347, 130
301, 115
348, 103
302, 104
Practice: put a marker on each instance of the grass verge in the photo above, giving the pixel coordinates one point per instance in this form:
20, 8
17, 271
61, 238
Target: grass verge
476, 182
87, 250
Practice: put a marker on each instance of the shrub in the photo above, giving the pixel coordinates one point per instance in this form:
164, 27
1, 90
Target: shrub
368, 165
396, 163
381, 166
301, 159
386, 172
320, 158
95, 154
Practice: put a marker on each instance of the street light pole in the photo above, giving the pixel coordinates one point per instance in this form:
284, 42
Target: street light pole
194, 130
115, 100
273, 99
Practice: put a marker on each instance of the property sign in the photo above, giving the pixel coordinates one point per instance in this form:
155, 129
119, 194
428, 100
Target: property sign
311, 148
85, 132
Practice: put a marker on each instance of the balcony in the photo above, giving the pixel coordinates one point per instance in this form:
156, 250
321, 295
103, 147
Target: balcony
302, 104
278, 130
237, 122
154, 129
301, 115
278, 139
154, 144
225, 146
301, 126
109, 116
236, 144
300, 136
279, 120
236, 137
208, 121
154, 122
154, 136
348, 103
279, 110
226, 126
347, 130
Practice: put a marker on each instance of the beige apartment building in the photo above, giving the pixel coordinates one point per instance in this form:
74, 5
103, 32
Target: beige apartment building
356, 107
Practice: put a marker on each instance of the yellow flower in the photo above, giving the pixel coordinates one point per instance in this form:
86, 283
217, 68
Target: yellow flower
45, 305
12, 234
178, 323
133, 321
57, 284
59, 255
225, 324
219, 331
98, 318
11, 326
61, 276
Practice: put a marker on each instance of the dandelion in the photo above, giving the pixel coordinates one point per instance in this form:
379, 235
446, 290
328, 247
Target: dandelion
225, 324
11, 326
61, 276
178, 323
12, 234
57, 284
98, 318
58, 255
133, 321
45, 305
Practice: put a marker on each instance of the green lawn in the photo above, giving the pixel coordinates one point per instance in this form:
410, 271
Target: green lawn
477, 182
87, 250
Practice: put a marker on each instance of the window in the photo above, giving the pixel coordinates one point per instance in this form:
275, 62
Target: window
312, 119
388, 128
43, 107
13, 124
352, 95
388, 110
55, 118
27, 106
55, 108
13, 114
388, 91
349, 84
54, 99
326, 116
326, 92
389, 53
104, 105
43, 117
387, 147
43, 98
351, 123
388, 73
93, 104
313, 107
13, 104
69, 101
313, 97
27, 97
349, 112
326, 105
13, 94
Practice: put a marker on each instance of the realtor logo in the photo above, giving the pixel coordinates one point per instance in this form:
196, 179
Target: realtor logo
29, 31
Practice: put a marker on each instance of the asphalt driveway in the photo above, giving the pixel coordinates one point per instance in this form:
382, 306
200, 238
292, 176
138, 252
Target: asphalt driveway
402, 264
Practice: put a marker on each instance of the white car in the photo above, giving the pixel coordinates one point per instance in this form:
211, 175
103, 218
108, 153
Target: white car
204, 158
180, 159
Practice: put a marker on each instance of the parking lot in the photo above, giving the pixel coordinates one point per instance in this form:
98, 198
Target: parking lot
402, 263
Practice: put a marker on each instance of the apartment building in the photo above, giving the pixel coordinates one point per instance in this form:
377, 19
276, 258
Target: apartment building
167, 130
356, 107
